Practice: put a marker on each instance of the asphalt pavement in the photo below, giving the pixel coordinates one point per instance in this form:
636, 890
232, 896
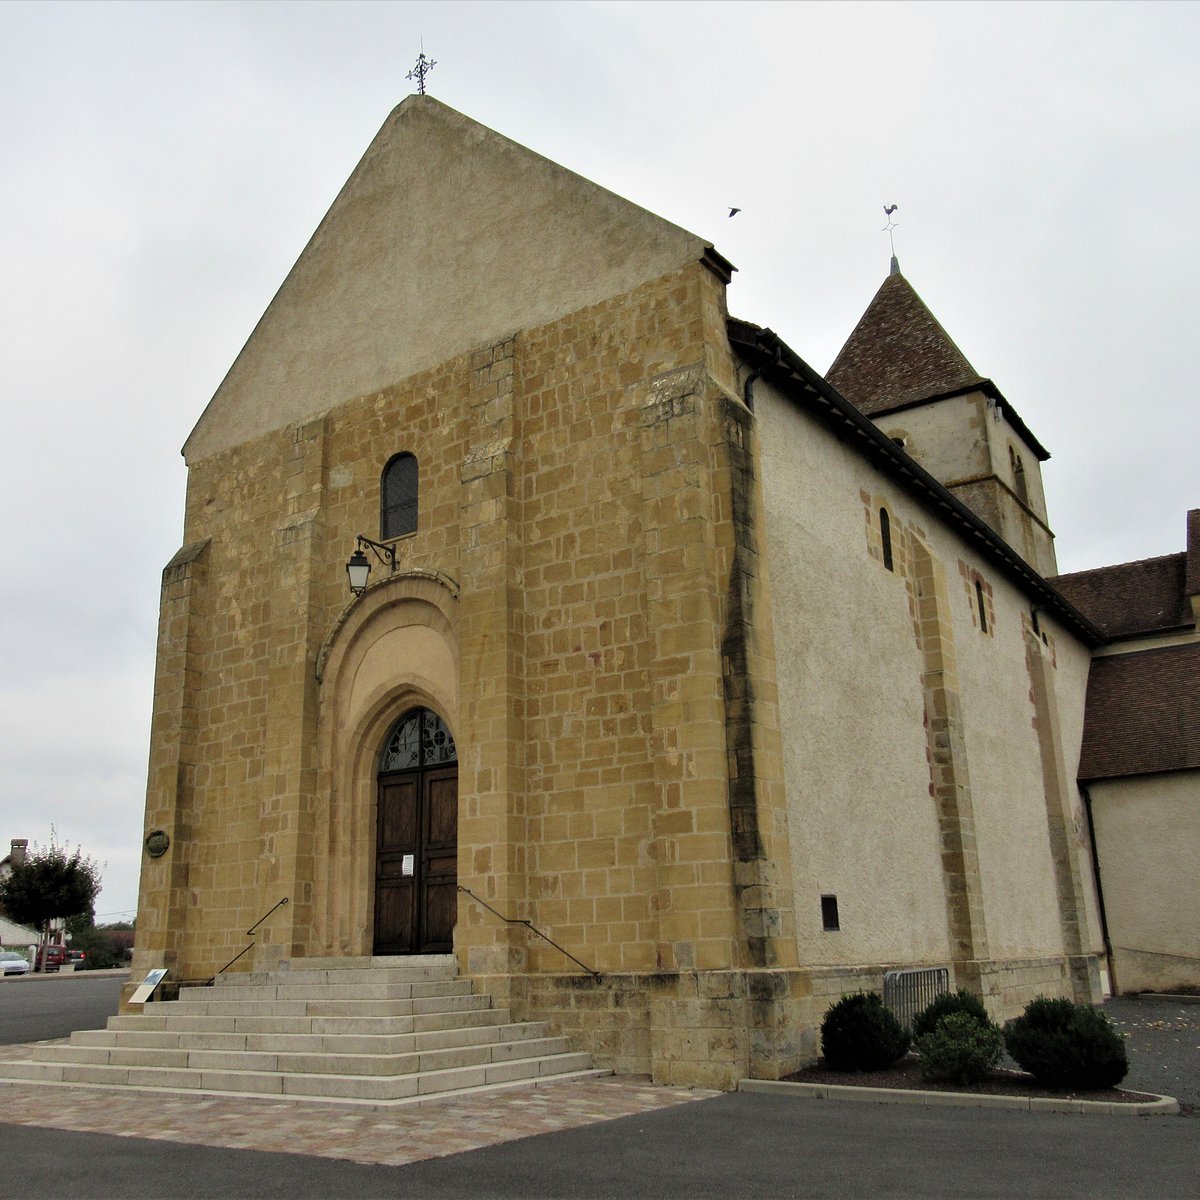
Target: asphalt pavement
730, 1145
734, 1145
34, 1008
1162, 1040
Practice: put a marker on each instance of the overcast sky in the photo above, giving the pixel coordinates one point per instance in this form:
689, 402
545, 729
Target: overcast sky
163, 165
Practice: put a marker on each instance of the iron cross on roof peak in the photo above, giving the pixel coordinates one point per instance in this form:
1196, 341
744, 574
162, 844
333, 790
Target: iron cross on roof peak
423, 67
890, 230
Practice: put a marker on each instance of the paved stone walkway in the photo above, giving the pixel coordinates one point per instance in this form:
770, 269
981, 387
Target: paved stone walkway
390, 1137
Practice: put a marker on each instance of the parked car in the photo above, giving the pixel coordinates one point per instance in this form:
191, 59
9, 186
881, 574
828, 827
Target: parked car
51, 958
77, 959
13, 963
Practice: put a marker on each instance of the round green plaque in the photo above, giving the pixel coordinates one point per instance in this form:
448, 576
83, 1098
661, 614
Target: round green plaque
157, 843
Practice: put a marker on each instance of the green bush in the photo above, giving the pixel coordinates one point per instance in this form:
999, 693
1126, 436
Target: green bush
99, 948
1067, 1045
961, 1048
859, 1034
962, 1001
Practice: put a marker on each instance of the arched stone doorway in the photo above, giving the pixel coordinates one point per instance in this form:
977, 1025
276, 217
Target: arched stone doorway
392, 651
416, 845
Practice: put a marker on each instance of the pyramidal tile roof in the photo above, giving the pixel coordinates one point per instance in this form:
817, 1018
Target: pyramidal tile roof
899, 353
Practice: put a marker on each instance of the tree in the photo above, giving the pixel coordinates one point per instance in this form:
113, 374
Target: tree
50, 884
99, 948
79, 924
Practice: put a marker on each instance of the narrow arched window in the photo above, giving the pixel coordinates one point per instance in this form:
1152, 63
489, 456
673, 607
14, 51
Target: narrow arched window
885, 536
983, 625
398, 497
1018, 470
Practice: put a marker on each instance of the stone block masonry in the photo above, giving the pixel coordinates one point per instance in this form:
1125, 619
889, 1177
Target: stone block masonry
586, 493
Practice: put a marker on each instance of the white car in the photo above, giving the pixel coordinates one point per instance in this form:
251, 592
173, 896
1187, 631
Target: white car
13, 963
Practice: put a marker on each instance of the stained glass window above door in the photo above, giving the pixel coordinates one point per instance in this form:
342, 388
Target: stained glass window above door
419, 739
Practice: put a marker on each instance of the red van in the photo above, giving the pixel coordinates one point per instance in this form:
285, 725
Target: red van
50, 958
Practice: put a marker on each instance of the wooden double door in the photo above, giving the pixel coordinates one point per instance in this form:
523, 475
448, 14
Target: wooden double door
416, 862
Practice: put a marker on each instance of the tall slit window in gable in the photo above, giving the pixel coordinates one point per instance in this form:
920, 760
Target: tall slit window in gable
983, 625
398, 497
885, 536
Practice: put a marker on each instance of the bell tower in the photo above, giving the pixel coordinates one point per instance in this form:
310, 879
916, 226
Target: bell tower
903, 370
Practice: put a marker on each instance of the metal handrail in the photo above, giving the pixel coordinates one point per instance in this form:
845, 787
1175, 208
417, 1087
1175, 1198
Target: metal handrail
249, 934
532, 927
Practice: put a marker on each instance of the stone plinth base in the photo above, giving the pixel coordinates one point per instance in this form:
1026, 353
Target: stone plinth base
714, 1028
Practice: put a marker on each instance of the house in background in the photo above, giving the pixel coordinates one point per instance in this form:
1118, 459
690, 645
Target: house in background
17, 937
12, 935
15, 857
741, 684
1140, 766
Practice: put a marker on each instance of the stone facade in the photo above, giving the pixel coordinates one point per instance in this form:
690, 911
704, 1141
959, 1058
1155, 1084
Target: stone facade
688, 697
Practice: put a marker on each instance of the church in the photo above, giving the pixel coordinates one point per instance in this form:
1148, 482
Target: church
533, 609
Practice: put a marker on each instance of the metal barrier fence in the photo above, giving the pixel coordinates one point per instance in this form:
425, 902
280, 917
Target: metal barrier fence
906, 993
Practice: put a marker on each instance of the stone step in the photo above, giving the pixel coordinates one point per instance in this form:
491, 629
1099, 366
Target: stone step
287, 989
316, 1063
314, 1043
365, 1033
400, 1102
319, 1007
313, 1085
386, 962
273, 1023
361, 972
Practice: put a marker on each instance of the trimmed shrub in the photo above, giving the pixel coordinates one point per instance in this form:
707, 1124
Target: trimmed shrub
1067, 1045
859, 1034
962, 1001
961, 1048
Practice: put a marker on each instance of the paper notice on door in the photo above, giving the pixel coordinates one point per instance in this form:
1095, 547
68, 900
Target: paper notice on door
406, 865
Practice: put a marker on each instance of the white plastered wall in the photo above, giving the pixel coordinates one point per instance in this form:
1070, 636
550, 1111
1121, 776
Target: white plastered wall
1007, 783
948, 438
863, 821
1074, 662
1148, 840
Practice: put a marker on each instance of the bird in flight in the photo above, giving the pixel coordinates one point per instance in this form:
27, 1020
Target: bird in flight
733, 212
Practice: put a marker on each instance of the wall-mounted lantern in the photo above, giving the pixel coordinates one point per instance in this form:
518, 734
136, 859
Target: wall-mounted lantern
358, 569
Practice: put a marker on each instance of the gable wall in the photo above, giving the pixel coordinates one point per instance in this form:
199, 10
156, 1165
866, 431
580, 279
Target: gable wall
446, 235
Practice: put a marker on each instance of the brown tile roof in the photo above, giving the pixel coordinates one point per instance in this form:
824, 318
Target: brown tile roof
1143, 713
1134, 598
898, 353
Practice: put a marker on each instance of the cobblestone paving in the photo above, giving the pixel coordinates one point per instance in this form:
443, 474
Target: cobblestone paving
365, 1135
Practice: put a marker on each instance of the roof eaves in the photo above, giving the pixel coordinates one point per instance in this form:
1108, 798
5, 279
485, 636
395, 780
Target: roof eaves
717, 263
801, 382
1110, 772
